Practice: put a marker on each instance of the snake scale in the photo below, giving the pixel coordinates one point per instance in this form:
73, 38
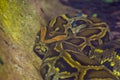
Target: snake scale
77, 47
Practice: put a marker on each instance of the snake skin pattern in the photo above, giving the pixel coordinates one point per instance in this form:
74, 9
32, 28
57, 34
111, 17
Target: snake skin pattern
77, 47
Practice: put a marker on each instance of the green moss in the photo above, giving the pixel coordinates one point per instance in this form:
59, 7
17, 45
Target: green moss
9, 12
18, 19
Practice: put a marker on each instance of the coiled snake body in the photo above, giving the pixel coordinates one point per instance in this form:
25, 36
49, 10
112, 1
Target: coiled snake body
71, 48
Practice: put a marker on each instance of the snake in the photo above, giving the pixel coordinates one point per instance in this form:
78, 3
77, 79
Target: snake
69, 46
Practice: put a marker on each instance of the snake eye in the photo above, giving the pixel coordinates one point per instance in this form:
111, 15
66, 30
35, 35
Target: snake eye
78, 23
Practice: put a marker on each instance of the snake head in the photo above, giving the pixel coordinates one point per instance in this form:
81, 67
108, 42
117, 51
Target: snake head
40, 48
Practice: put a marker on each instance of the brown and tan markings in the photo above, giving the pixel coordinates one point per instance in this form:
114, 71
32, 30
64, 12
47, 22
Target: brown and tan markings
108, 55
65, 45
